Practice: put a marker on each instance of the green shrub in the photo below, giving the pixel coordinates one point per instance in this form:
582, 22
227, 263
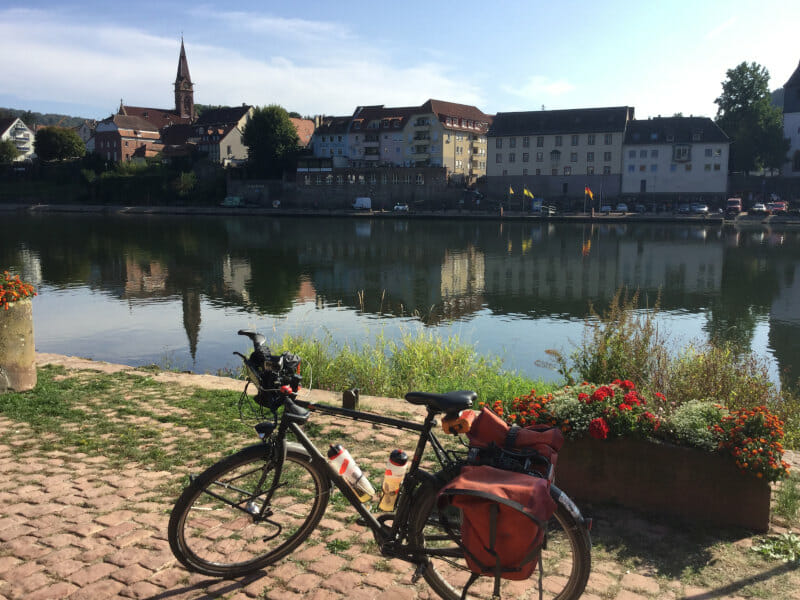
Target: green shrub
690, 422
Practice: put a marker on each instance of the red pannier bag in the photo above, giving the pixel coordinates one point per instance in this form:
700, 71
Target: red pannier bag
503, 520
489, 432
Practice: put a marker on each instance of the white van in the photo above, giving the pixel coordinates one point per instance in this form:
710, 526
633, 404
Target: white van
363, 204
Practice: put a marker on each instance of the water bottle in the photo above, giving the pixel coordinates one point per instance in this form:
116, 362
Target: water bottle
392, 478
344, 464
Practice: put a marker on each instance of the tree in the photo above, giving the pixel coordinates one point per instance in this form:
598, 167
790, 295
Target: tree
747, 115
8, 151
271, 141
57, 143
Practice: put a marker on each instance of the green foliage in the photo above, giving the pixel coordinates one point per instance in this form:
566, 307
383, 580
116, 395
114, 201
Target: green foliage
185, 184
787, 498
689, 424
271, 141
747, 115
711, 371
619, 344
8, 151
391, 368
784, 547
58, 143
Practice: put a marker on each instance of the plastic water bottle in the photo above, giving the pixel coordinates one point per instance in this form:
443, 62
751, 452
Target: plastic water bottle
392, 478
345, 465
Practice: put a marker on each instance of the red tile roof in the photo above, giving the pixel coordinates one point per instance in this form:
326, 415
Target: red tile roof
305, 129
160, 117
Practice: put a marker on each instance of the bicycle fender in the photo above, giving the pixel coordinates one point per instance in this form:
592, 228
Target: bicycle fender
567, 503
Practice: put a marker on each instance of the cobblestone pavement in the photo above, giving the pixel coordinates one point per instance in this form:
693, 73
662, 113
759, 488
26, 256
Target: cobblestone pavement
72, 527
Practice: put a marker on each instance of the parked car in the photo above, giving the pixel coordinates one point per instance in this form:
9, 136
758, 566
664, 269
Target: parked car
400, 207
622, 207
699, 209
606, 208
777, 208
733, 205
640, 208
684, 209
759, 209
363, 204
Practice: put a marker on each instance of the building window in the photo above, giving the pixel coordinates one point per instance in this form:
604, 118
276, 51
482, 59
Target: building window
498, 158
590, 170
673, 167
540, 157
606, 156
653, 153
631, 153
567, 170
606, 170
498, 143
540, 141
590, 157
681, 153
716, 167
696, 136
670, 138
526, 157
708, 152
574, 140
590, 139
608, 138
558, 140
631, 168
653, 168
512, 157
505, 172
718, 152
642, 153
554, 171
538, 171
524, 171
420, 179
526, 142
688, 166
512, 142
643, 167
555, 156
707, 167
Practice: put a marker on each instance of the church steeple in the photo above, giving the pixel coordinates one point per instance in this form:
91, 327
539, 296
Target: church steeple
184, 93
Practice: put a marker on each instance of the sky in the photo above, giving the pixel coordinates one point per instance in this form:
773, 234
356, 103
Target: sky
313, 57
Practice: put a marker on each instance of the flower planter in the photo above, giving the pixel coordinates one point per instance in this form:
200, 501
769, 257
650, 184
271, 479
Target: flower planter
661, 478
17, 357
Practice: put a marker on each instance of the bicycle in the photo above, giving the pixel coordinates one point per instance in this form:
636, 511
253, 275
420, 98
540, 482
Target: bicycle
258, 505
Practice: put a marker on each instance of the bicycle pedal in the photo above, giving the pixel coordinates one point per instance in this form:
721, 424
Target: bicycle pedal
361, 521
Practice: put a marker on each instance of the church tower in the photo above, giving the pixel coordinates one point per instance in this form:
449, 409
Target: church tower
791, 123
184, 94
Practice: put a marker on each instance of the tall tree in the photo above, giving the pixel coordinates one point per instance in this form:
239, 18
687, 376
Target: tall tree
271, 141
58, 143
745, 112
8, 151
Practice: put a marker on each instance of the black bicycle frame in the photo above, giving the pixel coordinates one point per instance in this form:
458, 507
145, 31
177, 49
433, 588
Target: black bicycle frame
404, 503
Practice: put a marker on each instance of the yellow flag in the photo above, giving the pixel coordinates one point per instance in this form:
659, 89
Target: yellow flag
527, 193
510, 191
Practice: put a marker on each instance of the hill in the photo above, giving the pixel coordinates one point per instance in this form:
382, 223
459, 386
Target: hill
36, 118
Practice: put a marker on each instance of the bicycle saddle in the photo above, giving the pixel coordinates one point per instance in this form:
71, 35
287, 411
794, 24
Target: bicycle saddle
451, 402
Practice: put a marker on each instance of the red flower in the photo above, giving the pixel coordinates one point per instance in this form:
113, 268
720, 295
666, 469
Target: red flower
598, 428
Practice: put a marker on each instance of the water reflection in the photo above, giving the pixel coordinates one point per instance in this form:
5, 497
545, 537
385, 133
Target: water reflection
435, 271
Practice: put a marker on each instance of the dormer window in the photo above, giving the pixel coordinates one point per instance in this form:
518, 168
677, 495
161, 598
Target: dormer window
697, 136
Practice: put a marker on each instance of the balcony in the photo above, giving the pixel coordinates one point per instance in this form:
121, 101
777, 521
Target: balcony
422, 124
371, 140
422, 135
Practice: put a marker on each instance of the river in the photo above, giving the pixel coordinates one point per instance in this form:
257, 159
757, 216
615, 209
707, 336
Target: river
174, 289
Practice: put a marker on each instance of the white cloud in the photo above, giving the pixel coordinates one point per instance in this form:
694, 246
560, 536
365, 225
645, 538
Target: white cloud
97, 64
539, 87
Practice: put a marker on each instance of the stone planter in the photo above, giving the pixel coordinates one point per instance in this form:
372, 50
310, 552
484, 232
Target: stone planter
17, 357
665, 479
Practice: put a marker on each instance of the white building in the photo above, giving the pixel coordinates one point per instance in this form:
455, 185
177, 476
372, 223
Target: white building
14, 129
791, 123
675, 156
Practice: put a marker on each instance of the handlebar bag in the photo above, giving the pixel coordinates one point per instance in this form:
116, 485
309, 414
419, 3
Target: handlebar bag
503, 520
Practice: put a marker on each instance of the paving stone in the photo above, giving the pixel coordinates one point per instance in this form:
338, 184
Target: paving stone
629, 595
342, 582
92, 573
8, 562
131, 574
141, 589
115, 518
327, 565
99, 590
56, 591
640, 583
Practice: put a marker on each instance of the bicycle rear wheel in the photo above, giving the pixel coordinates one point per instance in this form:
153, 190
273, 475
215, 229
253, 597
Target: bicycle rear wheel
566, 560
218, 527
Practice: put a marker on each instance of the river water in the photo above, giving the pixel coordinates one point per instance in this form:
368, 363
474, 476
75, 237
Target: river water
175, 289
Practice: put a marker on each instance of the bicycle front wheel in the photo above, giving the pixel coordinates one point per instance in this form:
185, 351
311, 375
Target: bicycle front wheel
220, 526
566, 559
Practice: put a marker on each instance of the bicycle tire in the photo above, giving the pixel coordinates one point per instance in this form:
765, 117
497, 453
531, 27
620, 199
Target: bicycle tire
566, 560
214, 537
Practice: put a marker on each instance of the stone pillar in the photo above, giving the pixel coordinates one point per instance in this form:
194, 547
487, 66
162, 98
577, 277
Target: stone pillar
17, 357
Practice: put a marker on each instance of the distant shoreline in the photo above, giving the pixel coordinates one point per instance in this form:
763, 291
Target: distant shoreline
745, 220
